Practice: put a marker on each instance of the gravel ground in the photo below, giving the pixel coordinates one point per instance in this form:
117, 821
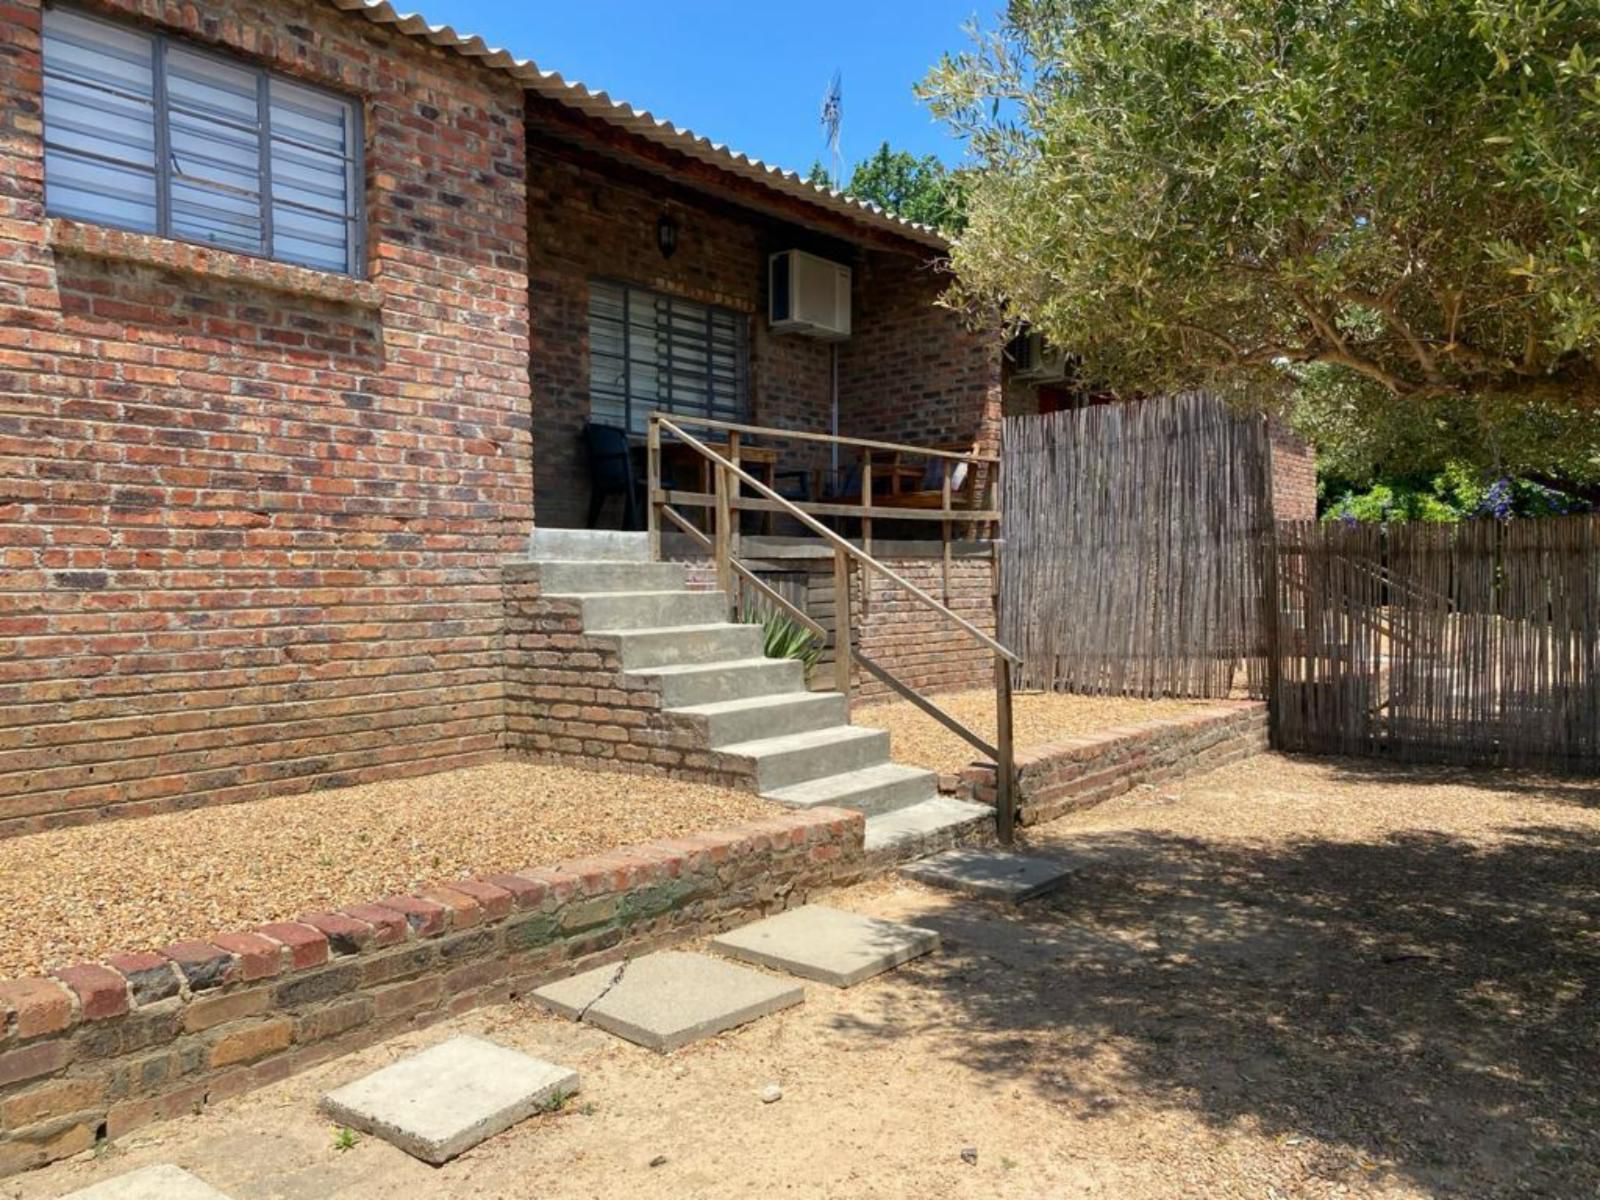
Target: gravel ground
1284, 980
76, 894
1036, 718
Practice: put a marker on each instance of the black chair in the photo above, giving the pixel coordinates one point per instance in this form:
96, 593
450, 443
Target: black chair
611, 473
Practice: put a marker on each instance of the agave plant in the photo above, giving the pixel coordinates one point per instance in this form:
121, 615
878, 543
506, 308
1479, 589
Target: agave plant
784, 637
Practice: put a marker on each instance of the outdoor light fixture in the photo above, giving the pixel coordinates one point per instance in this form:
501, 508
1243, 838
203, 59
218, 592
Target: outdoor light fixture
667, 235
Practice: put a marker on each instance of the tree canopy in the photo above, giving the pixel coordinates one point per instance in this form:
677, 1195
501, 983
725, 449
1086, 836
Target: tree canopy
1404, 193
918, 189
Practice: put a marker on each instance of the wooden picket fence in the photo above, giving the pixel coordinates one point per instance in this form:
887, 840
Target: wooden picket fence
1473, 643
1135, 542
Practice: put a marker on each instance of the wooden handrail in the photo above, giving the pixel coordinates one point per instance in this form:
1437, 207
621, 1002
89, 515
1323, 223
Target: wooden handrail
801, 435
834, 540
724, 548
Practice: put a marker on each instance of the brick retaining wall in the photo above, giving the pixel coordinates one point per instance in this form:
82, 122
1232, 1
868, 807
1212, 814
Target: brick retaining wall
1080, 772
98, 1050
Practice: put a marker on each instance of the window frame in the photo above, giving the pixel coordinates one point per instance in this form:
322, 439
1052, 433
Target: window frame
160, 40
741, 322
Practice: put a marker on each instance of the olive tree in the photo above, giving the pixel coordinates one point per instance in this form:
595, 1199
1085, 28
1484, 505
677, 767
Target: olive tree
1215, 192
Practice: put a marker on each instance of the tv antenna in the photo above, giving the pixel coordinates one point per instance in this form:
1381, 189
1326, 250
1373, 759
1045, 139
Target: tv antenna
832, 119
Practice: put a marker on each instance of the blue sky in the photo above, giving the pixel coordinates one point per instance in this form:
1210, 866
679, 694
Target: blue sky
748, 74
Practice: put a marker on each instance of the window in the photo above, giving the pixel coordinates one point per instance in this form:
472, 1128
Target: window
652, 351
145, 133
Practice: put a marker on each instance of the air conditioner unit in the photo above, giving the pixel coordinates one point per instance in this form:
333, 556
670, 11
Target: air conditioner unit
808, 295
1033, 359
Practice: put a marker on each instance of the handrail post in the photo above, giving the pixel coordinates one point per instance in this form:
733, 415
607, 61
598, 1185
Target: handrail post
722, 550
652, 458
944, 531
1005, 767
733, 497
866, 527
841, 625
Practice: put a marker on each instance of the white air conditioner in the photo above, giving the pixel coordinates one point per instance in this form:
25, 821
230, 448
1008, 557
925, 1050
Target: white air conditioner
1033, 359
808, 295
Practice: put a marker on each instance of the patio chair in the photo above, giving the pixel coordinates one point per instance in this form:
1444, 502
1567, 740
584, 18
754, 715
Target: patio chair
611, 473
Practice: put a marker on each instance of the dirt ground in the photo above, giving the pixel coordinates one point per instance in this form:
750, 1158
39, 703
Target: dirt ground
1287, 978
75, 894
1036, 718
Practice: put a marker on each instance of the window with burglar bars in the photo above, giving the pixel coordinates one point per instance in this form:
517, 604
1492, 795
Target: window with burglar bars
143, 132
653, 351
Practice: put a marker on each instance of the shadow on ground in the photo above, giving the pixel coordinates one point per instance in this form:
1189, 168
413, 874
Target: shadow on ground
1420, 1010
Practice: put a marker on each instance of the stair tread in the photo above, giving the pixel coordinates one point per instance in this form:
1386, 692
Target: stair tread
848, 783
923, 818
726, 664
831, 735
652, 630
627, 592
773, 700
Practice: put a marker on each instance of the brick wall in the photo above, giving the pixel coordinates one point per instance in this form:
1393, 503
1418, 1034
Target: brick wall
568, 699
100, 1050
1294, 476
1080, 772
587, 222
252, 516
912, 371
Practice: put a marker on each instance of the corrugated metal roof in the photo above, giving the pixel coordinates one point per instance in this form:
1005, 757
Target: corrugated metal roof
616, 112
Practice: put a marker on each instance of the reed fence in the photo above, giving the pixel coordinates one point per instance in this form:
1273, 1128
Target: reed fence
1136, 541
1471, 643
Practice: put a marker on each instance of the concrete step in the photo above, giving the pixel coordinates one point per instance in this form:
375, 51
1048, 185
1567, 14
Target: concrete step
648, 610
871, 790
690, 684
728, 721
932, 825
567, 576
592, 545
781, 762
677, 644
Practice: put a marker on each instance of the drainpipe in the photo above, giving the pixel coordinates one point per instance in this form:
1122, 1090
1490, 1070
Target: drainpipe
833, 427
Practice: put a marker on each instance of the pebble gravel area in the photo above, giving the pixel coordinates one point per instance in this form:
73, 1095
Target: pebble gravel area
1036, 718
71, 895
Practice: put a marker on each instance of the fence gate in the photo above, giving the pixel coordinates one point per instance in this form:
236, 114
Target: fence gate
1473, 643
1136, 544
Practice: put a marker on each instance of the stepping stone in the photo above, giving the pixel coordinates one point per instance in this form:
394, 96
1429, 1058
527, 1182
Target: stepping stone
444, 1101
666, 1000
826, 944
997, 874
161, 1182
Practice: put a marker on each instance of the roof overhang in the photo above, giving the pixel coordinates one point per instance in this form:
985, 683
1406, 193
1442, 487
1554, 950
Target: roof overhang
598, 106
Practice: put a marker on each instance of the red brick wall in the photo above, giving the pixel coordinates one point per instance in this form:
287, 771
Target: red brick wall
101, 1050
1294, 477
1080, 772
585, 222
912, 371
252, 516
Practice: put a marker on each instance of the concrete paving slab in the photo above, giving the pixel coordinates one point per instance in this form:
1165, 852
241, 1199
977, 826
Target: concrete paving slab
160, 1182
827, 944
666, 1000
996, 874
442, 1102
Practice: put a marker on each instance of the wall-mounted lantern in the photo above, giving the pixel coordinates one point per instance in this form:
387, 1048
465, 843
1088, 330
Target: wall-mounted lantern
667, 235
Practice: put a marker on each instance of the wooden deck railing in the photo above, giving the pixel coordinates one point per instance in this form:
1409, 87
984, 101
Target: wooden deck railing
725, 502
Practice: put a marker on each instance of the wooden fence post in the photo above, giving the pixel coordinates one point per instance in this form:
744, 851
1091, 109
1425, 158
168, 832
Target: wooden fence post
841, 625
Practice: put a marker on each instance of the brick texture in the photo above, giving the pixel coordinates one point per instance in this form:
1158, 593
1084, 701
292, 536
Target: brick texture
64, 1079
252, 516
1080, 772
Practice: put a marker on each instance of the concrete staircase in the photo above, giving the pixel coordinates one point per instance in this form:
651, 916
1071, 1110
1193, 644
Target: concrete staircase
754, 712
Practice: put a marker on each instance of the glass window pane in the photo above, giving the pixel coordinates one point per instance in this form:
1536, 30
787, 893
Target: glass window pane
106, 193
203, 86
99, 122
310, 239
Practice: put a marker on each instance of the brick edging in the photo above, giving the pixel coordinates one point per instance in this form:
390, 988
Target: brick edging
1080, 772
95, 1050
